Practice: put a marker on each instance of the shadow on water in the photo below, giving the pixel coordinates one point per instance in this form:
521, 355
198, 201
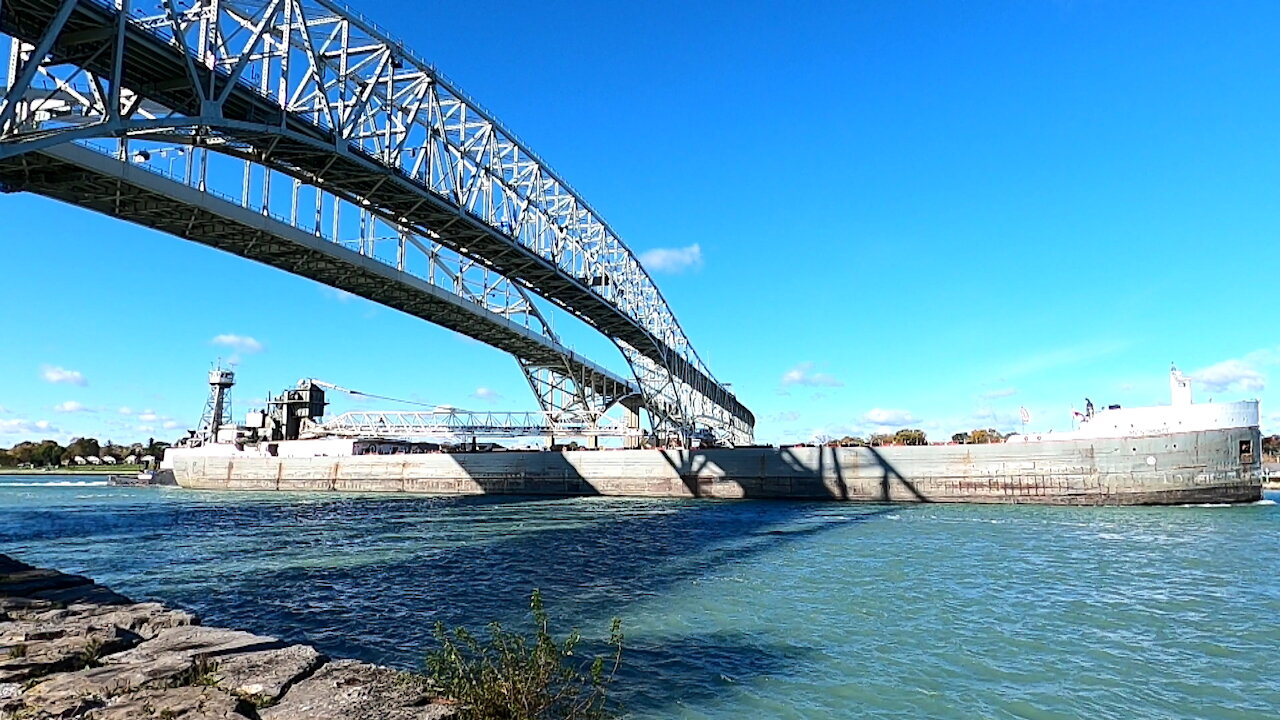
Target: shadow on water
368, 577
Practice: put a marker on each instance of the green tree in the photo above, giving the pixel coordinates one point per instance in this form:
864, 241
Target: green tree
910, 436
961, 438
985, 435
82, 447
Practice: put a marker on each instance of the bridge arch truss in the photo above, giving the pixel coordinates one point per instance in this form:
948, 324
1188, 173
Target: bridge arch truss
349, 121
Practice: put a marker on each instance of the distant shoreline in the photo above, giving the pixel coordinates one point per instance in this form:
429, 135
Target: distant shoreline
81, 470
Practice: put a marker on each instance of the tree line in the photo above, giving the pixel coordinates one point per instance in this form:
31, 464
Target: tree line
1271, 445
48, 453
915, 436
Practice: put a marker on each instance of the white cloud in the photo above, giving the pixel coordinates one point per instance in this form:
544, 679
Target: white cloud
148, 416
4, 410
146, 428
803, 374
486, 394
171, 424
25, 427
55, 374
125, 410
786, 416
673, 260
889, 418
70, 406
1001, 393
239, 343
1236, 375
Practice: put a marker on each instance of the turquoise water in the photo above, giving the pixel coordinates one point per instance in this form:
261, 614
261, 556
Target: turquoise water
731, 609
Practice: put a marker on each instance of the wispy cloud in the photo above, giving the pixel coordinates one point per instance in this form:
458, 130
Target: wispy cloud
239, 343
786, 416
148, 416
1001, 393
56, 374
803, 374
488, 395
989, 417
171, 424
26, 427
672, 260
125, 410
1063, 357
70, 406
1243, 374
334, 293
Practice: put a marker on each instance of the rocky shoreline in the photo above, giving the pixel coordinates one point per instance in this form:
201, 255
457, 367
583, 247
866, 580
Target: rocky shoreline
70, 648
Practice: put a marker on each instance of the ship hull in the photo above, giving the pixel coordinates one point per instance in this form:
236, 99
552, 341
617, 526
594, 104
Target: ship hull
1209, 466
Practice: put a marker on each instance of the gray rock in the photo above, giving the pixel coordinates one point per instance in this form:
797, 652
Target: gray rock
182, 703
97, 594
350, 690
28, 582
17, 608
247, 665
71, 693
44, 652
71, 638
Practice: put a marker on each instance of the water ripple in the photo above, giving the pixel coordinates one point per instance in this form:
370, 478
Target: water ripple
732, 609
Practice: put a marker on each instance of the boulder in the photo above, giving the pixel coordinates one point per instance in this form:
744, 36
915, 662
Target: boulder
350, 690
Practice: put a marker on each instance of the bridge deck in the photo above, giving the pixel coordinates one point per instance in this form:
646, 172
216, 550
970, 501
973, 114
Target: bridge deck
91, 180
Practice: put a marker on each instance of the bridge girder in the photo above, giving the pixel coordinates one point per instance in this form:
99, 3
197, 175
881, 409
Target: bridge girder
306, 89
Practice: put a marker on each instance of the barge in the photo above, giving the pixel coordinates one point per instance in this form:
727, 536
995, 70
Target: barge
1170, 454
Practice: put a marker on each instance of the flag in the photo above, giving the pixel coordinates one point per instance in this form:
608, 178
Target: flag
1076, 414
1026, 416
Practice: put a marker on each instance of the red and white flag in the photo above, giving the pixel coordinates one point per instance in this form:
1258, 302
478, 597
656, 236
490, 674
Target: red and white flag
1026, 416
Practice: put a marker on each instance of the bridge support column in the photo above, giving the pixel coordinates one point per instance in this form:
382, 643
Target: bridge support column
632, 418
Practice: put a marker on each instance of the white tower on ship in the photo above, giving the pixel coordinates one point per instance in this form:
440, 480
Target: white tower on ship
1179, 387
217, 409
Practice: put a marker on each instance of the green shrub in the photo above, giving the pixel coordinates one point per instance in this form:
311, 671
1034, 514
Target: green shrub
512, 677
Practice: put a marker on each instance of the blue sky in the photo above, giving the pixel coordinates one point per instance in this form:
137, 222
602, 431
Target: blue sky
866, 216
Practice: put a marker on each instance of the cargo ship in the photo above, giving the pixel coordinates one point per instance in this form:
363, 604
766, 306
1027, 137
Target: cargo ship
1169, 454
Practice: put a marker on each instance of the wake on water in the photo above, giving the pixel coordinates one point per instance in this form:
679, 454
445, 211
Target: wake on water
57, 483
1265, 501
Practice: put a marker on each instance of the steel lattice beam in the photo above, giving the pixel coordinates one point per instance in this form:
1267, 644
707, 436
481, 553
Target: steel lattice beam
313, 92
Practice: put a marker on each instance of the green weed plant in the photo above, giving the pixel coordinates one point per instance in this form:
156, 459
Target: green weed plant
512, 677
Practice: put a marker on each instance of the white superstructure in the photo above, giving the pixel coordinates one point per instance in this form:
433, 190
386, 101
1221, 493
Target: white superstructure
1179, 416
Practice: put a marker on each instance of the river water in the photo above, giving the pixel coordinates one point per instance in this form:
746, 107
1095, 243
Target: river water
731, 609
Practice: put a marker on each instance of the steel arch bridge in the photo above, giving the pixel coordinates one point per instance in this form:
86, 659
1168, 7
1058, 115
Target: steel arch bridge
308, 139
